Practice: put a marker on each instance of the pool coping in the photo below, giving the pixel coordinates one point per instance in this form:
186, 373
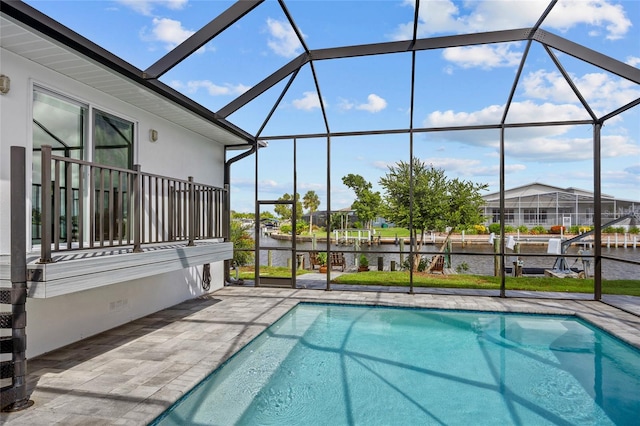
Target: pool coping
131, 374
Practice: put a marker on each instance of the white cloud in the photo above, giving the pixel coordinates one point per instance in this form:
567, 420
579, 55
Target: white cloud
268, 183
625, 182
484, 56
145, 7
519, 112
602, 92
544, 143
345, 104
634, 61
527, 111
308, 101
471, 167
169, 31
283, 40
443, 16
241, 184
193, 86
601, 14
374, 104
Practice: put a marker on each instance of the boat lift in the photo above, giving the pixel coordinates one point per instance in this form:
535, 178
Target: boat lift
561, 265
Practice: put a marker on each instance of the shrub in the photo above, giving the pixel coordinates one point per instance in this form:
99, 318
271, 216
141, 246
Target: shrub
494, 228
285, 229
480, 229
242, 243
422, 265
583, 229
476, 230
575, 229
301, 227
523, 229
508, 229
536, 230
613, 230
634, 230
557, 229
471, 231
461, 268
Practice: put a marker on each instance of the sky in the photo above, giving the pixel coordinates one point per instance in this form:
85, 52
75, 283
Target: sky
457, 86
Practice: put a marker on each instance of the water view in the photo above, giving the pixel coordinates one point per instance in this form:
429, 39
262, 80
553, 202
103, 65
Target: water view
476, 258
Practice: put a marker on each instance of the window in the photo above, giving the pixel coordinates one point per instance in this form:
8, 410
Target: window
62, 123
535, 216
509, 216
113, 140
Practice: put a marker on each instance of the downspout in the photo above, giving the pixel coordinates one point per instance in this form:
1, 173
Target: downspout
226, 215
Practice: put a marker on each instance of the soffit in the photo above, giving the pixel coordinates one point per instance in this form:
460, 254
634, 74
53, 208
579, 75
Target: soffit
41, 50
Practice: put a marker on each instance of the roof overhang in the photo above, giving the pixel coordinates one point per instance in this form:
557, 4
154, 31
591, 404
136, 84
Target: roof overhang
38, 38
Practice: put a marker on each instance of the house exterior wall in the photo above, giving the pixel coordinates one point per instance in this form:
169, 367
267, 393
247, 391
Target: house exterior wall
179, 153
544, 205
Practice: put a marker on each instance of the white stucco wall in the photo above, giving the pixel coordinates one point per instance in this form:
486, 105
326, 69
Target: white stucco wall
58, 321
178, 153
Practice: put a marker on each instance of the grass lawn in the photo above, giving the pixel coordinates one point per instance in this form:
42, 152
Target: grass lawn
401, 278
391, 232
249, 273
570, 285
382, 232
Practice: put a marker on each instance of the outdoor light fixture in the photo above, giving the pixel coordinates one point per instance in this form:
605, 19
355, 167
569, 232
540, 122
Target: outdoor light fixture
5, 84
153, 135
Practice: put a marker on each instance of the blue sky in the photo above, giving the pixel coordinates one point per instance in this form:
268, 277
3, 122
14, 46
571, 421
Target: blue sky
455, 86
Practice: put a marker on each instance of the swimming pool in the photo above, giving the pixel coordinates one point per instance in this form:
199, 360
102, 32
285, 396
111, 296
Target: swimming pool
339, 364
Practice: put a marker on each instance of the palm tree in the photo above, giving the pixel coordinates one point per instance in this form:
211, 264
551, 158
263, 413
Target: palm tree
311, 202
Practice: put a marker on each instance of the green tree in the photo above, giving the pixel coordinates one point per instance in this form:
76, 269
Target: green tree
285, 211
241, 240
438, 202
267, 215
239, 215
338, 220
367, 204
312, 202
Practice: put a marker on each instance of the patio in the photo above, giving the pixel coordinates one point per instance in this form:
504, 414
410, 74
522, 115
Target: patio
131, 374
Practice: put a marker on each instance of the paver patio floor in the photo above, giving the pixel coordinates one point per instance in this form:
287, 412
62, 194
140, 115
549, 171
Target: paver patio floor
131, 374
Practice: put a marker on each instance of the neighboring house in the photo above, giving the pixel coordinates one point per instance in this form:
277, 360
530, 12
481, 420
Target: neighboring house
347, 217
546, 205
95, 109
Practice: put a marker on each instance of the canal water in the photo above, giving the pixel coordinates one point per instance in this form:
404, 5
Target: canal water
476, 258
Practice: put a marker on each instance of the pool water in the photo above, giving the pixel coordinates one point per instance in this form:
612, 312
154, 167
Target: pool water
337, 364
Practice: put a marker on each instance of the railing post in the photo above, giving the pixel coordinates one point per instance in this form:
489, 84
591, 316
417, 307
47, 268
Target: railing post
45, 205
137, 210
191, 209
16, 396
224, 225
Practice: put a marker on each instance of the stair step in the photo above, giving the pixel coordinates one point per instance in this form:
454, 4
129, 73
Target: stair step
5, 296
6, 320
6, 370
7, 396
6, 345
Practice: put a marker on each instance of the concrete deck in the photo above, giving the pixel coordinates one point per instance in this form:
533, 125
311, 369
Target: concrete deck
131, 374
